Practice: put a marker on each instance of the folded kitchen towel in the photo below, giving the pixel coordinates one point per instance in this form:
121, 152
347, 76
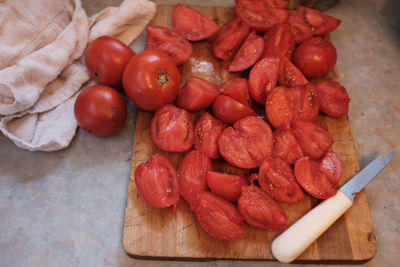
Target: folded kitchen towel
41, 65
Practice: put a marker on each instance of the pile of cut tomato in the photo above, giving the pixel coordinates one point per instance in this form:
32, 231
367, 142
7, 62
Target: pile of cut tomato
286, 152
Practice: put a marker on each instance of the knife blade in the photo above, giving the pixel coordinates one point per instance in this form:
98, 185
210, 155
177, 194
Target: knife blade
291, 243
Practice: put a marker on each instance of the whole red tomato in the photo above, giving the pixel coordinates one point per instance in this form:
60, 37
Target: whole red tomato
315, 57
100, 110
151, 79
105, 59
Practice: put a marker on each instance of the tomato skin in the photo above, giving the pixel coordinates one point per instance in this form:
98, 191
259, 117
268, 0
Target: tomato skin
248, 53
279, 42
229, 38
218, 217
192, 174
260, 210
206, 133
100, 110
276, 177
169, 42
226, 186
315, 57
290, 75
319, 178
314, 140
238, 89
171, 129
106, 58
286, 146
157, 182
196, 94
229, 110
191, 24
333, 98
151, 79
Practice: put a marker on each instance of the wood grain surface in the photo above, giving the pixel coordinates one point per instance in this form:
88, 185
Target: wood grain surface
158, 233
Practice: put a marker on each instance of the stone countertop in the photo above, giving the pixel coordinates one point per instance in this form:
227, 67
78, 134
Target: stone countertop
66, 208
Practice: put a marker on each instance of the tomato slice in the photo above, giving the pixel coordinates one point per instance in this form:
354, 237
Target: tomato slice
313, 139
333, 98
229, 38
259, 15
290, 75
192, 174
279, 42
278, 107
238, 89
247, 143
170, 42
172, 129
206, 133
319, 178
196, 94
249, 52
219, 217
286, 146
157, 182
276, 177
260, 210
229, 110
299, 28
304, 101
191, 24
226, 186
319, 23
263, 78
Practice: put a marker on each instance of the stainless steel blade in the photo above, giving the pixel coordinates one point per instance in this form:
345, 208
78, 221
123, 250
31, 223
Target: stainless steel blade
359, 181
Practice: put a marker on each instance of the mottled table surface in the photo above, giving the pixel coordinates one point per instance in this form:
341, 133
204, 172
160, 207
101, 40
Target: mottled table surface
66, 208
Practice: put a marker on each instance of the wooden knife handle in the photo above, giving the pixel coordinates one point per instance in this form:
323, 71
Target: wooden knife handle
291, 243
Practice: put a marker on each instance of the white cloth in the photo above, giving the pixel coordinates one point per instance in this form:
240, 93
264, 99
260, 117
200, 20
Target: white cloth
41, 65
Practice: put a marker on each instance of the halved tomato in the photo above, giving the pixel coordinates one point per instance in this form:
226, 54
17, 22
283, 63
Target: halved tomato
290, 75
225, 185
238, 89
279, 42
172, 129
157, 182
248, 53
219, 217
286, 146
260, 210
276, 177
319, 23
191, 24
333, 98
229, 110
196, 94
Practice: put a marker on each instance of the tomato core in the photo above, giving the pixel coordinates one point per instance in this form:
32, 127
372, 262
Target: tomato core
163, 78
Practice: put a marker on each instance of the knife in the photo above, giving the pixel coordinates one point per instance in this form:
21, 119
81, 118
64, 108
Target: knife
291, 243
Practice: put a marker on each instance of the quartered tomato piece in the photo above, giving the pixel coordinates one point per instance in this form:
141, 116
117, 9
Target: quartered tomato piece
229, 38
279, 42
196, 94
192, 174
278, 107
229, 110
219, 217
263, 78
333, 98
290, 75
319, 23
319, 178
157, 182
313, 139
191, 24
259, 15
247, 143
286, 146
304, 101
299, 28
226, 186
206, 133
169, 42
276, 3
248, 53
172, 129
276, 177
260, 210
238, 89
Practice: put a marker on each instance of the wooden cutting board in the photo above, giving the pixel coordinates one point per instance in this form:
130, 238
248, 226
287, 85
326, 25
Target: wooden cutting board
151, 232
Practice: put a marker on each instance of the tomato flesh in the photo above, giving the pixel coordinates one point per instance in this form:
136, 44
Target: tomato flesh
238, 89
319, 23
290, 75
304, 102
226, 186
279, 42
299, 28
172, 129
333, 98
249, 52
278, 107
229, 110
157, 182
286, 146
